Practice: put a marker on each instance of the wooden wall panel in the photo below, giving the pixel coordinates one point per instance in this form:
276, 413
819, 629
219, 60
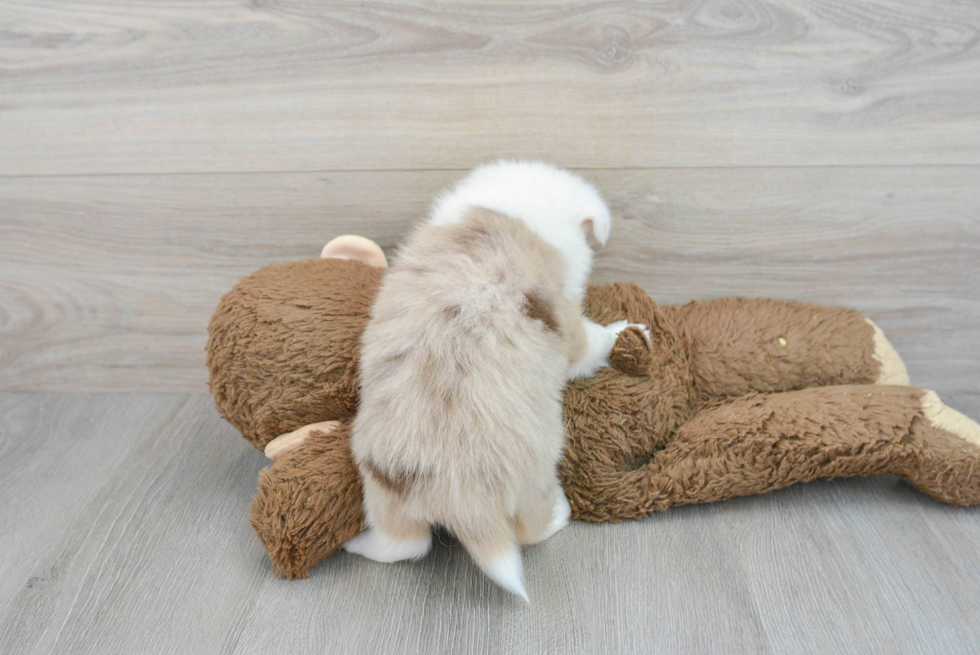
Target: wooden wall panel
183, 86
107, 282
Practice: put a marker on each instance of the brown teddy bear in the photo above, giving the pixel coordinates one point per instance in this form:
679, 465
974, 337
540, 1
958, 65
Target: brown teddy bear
727, 398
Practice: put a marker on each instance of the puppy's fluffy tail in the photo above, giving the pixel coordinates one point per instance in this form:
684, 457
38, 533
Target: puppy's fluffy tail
492, 545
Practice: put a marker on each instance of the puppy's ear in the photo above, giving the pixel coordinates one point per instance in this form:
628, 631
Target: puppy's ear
599, 226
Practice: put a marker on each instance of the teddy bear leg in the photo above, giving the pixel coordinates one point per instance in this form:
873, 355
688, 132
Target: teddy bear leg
739, 346
762, 442
948, 447
541, 513
391, 535
308, 502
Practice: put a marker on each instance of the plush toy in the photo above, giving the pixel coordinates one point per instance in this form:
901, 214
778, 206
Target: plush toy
726, 398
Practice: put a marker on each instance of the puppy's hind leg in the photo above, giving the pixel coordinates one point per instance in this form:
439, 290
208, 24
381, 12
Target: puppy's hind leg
541, 512
391, 535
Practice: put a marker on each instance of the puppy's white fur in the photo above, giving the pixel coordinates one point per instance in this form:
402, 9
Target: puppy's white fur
554, 203
558, 206
474, 331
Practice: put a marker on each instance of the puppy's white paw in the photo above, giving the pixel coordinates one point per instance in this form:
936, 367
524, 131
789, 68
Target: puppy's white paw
618, 326
381, 548
601, 340
559, 517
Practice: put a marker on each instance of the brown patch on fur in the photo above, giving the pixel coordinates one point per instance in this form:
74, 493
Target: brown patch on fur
449, 399
574, 330
473, 235
389, 365
538, 308
395, 359
429, 375
398, 482
451, 312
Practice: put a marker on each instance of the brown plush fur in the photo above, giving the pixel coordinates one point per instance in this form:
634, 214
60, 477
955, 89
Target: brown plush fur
732, 397
284, 345
304, 487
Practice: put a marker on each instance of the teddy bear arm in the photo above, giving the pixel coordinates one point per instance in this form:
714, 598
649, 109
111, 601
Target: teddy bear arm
741, 345
308, 502
610, 303
763, 442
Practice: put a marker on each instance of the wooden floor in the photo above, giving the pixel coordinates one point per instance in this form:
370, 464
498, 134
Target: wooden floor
152, 153
124, 531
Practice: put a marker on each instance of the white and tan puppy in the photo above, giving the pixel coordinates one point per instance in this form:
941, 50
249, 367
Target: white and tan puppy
475, 330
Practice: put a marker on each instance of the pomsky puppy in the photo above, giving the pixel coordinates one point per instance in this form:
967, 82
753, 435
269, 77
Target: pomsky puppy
475, 330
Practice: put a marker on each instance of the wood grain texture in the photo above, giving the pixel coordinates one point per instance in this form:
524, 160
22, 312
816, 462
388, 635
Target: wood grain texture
107, 283
292, 85
153, 153
126, 525
125, 530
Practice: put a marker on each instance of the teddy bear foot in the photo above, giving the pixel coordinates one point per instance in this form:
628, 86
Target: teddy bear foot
290, 441
948, 419
892, 369
947, 461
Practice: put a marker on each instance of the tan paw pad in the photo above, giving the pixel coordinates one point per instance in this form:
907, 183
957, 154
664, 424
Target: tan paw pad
892, 367
285, 443
948, 419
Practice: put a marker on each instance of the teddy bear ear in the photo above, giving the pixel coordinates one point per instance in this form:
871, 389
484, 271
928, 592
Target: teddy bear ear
351, 246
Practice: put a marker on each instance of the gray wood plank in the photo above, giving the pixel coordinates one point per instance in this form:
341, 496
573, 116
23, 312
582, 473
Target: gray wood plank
96, 87
107, 282
125, 531
153, 153
56, 439
125, 525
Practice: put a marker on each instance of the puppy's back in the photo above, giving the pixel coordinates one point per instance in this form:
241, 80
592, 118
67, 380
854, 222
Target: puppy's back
463, 364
